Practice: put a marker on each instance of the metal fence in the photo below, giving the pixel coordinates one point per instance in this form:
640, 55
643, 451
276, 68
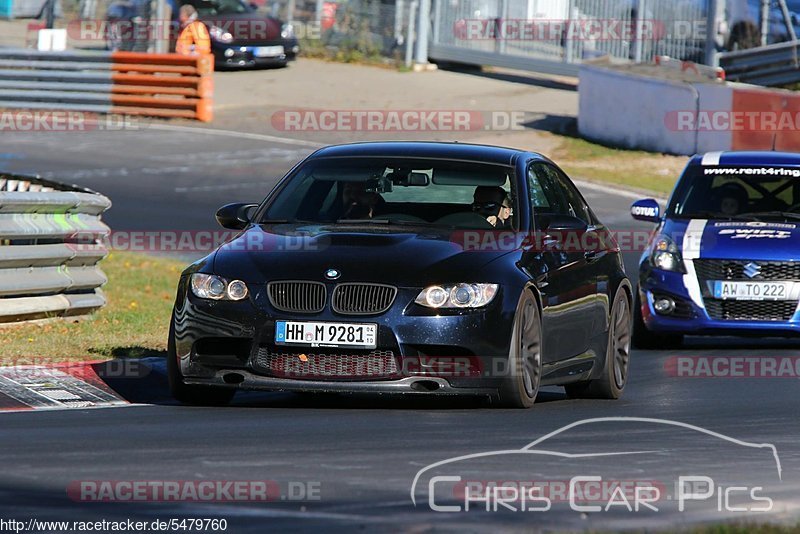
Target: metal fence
51, 240
556, 35
773, 65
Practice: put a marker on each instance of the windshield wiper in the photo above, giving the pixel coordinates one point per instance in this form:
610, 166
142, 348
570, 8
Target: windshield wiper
286, 221
362, 221
776, 213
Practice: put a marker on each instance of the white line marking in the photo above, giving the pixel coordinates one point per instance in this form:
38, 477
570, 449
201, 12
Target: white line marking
225, 187
616, 191
122, 404
232, 133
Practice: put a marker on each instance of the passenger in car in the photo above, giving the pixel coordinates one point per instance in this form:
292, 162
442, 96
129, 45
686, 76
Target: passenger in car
362, 205
493, 203
732, 199
356, 200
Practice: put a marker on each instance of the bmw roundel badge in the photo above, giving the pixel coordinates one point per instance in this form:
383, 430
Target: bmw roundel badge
332, 274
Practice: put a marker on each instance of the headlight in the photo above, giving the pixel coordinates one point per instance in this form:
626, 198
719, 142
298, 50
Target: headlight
218, 34
209, 286
666, 255
287, 31
457, 295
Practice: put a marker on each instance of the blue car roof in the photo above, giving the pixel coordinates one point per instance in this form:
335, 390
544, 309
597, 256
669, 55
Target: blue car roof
746, 159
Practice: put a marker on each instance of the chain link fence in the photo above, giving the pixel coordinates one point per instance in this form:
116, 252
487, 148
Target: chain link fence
546, 35
570, 31
351, 30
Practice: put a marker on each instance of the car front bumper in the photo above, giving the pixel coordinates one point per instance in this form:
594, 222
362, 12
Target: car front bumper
245, 56
696, 319
246, 380
463, 353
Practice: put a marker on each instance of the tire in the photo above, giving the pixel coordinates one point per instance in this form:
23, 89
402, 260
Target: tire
647, 340
611, 383
190, 394
520, 387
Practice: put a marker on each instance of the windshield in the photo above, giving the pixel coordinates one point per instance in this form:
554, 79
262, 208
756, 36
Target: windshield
751, 193
374, 191
220, 7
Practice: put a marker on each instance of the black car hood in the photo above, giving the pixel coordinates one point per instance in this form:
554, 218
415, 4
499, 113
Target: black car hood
399, 256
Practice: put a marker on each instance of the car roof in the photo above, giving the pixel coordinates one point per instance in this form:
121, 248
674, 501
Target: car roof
417, 149
746, 158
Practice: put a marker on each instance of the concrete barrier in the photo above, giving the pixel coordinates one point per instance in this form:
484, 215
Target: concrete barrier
630, 110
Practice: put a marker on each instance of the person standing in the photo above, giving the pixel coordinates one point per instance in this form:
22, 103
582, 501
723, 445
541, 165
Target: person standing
194, 38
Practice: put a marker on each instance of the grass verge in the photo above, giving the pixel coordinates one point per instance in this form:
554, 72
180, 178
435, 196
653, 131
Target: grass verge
134, 323
634, 169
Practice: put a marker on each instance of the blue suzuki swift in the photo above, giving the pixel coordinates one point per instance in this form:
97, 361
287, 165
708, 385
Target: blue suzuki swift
725, 256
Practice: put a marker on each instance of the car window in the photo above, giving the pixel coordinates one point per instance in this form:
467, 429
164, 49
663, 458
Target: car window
577, 206
708, 192
544, 192
459, 194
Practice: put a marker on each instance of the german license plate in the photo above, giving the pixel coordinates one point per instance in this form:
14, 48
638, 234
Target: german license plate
726, 290
326, 334
268, 51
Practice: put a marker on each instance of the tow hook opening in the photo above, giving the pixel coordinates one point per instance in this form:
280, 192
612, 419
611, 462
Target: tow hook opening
425, 385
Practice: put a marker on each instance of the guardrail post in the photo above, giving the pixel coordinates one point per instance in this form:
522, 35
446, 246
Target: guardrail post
423, 25
569, 40
412, 20
712, 22
638, 45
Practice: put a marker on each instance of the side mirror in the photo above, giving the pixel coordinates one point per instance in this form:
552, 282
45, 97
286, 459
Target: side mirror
646, 210
235, 216
562, 223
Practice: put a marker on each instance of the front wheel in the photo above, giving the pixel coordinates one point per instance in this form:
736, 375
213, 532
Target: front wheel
521, 386
191, 394
611, 383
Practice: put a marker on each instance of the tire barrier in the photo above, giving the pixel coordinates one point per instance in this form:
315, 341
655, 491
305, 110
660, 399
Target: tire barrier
51, 241
120, 83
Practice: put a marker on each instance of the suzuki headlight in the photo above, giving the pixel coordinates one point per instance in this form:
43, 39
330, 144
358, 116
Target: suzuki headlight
666, 255
219, 34
209, 286
457, 295
287, 31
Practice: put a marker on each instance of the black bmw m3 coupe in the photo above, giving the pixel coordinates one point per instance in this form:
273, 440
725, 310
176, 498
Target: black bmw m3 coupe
411, 268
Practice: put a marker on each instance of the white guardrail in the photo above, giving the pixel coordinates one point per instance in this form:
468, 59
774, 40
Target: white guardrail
51, 241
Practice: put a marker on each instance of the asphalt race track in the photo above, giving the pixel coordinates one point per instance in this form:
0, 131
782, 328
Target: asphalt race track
349, 462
